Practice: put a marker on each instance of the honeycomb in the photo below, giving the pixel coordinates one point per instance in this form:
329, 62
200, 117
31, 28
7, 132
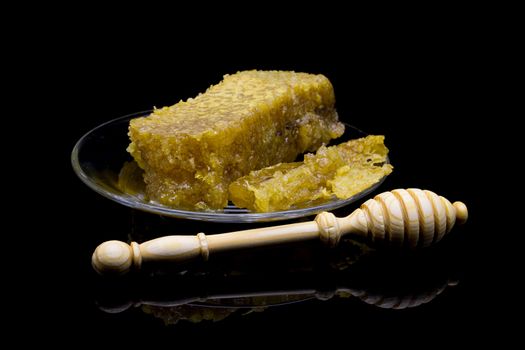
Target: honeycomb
341, 171
193, 150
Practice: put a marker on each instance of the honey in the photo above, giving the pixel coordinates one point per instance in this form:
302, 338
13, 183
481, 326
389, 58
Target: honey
130, 179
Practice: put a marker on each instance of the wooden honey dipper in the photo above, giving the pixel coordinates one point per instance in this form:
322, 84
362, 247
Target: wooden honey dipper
411, 218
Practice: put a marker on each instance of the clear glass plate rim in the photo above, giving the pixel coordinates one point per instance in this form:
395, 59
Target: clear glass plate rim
203, 215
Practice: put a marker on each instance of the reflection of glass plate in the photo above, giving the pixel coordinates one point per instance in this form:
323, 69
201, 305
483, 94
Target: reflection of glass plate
257, 300
99, 155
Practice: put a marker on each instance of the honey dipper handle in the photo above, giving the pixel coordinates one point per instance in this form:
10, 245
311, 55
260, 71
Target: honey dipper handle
119, 257
411, 218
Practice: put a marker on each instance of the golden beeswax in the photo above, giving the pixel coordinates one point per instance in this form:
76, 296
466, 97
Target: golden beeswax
342, 171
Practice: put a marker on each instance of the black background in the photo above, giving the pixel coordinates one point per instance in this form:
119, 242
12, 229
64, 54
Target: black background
427, 100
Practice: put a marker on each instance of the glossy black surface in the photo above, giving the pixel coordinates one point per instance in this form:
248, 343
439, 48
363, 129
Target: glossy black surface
421, 109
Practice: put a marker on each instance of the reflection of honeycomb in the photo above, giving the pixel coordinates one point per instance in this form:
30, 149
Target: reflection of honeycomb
192, 150
219, 309
192, 313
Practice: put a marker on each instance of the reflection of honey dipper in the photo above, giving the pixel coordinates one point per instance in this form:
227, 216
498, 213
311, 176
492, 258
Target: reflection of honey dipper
411, 218
401, 301
381, 298
213, 291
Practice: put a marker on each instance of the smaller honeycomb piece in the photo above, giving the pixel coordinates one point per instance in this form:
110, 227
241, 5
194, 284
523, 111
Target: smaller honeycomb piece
341, 171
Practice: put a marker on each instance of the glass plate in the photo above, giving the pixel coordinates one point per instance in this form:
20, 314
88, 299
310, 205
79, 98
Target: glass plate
99, 156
